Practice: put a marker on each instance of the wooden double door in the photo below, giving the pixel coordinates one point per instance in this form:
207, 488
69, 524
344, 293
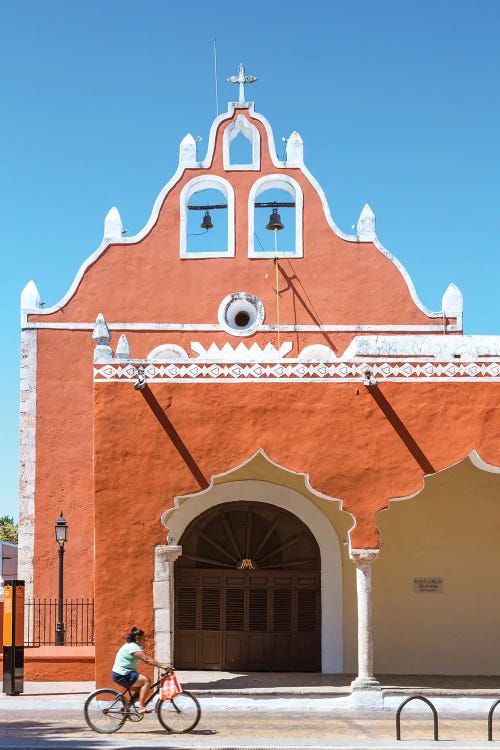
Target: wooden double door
260, 611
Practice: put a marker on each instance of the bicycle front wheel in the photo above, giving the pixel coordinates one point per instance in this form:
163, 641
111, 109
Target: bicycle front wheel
105, 710
180, 714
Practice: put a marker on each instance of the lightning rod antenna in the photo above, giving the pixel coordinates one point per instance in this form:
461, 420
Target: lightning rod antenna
216, 82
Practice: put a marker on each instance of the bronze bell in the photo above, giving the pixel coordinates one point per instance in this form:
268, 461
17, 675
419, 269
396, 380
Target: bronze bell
207, 221
275, 221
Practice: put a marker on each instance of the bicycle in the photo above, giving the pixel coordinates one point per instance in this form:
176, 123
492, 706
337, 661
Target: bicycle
106, 710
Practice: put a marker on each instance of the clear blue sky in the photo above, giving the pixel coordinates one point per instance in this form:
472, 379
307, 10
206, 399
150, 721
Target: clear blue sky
397, 103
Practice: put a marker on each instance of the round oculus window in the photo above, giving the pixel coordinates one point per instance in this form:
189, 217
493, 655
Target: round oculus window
241, 313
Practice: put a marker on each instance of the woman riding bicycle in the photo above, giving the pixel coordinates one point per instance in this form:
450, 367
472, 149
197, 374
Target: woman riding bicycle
125, 672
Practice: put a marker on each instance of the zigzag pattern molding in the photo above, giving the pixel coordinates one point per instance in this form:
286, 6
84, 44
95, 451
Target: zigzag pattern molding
242, 352
297, 371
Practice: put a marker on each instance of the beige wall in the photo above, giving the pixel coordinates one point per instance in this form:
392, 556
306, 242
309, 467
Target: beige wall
450, 530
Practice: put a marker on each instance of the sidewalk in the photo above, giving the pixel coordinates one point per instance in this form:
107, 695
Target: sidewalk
294, 692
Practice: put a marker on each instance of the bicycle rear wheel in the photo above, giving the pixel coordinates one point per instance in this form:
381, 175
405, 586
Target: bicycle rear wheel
180, 714
105, 710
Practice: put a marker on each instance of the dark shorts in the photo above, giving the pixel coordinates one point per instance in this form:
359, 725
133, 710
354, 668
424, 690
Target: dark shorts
125, 680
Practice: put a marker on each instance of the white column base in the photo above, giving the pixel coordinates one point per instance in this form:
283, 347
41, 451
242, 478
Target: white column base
365, 683
366, 693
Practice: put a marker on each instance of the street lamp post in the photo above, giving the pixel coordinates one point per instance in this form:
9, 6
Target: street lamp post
61, 528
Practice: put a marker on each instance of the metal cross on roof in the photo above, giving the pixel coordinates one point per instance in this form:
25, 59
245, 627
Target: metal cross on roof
241, 78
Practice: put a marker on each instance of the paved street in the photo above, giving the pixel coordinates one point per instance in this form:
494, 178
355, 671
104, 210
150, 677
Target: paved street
67, 729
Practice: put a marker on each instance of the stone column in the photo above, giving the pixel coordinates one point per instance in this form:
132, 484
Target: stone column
366, 689
163, 600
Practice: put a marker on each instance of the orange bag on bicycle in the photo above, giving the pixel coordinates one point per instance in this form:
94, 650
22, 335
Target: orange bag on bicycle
169, 687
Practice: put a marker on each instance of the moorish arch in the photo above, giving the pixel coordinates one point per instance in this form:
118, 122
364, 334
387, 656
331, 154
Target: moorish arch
321, 517
437, 573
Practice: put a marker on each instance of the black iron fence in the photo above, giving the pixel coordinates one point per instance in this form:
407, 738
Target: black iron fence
40, 618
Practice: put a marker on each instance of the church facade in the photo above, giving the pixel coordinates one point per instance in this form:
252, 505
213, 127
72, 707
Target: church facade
270, 454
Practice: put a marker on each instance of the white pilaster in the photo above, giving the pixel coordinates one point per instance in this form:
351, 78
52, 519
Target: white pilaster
27, 455
366, 689
163, 600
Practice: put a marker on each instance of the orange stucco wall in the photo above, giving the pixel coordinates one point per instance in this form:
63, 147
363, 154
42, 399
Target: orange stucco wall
350, 442
58, 664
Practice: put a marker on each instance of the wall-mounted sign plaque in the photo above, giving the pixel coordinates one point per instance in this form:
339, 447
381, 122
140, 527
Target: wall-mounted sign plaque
428, 585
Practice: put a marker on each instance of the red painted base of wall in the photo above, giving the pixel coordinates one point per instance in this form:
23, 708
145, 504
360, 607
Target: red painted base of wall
59, 664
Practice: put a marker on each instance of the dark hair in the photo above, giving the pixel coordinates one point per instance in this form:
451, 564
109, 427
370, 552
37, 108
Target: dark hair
134, 633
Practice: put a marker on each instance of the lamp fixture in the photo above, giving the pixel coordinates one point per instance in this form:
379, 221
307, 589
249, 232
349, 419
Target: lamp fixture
368, 379
140, 384
61, 529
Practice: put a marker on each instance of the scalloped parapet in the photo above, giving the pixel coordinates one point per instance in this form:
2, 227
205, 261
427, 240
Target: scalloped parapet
101, 335
113, 226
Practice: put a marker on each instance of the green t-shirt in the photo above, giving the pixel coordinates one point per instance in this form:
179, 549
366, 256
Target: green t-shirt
124, 661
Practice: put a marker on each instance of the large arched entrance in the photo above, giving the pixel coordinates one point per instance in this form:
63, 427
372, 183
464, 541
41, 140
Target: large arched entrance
247, 591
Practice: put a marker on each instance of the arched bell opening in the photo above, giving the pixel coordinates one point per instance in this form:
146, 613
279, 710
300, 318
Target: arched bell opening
275, 206
248, 591
207, 218
207, 225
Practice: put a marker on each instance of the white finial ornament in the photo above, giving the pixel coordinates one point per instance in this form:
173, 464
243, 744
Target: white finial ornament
366, 225
241, 78
453, 302
30, 297
101, 335
113, 227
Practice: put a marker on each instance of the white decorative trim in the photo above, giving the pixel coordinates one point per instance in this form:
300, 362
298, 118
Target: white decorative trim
478, 462
294, 370
291, 186
166, 352
355, 328
242, 352
236, 303
363, 556
183, 514
27, 459
205, 183
241, 124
